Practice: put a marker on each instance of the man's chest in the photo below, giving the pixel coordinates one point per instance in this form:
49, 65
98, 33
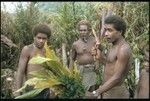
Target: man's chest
37, 52
112, 55
83, 47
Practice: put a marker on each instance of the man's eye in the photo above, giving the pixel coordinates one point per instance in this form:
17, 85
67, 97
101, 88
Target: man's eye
82, 30
110, 30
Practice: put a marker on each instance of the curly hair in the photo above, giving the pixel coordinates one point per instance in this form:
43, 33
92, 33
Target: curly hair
42, 28
84, 22
118, 23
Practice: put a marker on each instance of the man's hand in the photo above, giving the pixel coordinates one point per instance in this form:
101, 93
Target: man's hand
97, 93
96, 53
89, 95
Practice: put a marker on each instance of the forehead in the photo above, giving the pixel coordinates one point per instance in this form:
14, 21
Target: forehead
109, 26
41, 35
83, 26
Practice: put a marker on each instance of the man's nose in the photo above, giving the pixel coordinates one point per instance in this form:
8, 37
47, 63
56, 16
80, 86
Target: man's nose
41, 40
106, 33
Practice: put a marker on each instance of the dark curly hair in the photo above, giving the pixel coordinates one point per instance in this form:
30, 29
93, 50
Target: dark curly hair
118, 23
42, 28
84, 22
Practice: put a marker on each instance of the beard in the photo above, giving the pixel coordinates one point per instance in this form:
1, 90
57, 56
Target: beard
40, 46
109, 40
84, 39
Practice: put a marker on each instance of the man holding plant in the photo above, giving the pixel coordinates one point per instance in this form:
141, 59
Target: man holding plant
41, 33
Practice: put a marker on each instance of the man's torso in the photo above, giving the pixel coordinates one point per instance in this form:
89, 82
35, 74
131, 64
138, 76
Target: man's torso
83, 51
33, 51
109, 69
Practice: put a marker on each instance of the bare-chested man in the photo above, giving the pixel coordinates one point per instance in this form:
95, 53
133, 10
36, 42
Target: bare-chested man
117, 61
142, 90
41, 33
81, 53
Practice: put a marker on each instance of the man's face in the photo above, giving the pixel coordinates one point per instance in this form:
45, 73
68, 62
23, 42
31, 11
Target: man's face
111, 33
83, 30
40, 39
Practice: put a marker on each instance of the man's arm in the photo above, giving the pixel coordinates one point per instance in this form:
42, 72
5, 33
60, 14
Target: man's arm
72, 57
119, 72
99, 55
22, 66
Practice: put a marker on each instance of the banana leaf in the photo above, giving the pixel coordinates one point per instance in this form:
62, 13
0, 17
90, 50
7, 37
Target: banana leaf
65, 83
38, 60
50, 53
29, 94
45, 74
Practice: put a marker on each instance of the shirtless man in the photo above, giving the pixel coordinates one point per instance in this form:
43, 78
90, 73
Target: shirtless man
41, 33
81, 53
142, 90
117, 61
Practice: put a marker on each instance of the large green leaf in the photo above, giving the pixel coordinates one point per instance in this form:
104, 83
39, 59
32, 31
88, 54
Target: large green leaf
29, 94
30, 82
38, 60
57, 68
50, 53
47, 83
40, 83
45, 74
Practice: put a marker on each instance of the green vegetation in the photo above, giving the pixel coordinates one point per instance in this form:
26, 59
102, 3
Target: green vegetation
62, 18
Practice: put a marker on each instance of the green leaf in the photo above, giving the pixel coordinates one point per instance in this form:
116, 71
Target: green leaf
29, 94
47, 83
38, 60
31, 82
45, 74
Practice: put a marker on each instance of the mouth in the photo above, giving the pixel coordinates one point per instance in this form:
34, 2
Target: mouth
108, 38
40, 45
83, 35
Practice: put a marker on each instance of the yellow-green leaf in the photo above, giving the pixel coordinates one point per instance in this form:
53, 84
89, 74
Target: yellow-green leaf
29, 94
47, 83
50, 53
46, 74
38, 60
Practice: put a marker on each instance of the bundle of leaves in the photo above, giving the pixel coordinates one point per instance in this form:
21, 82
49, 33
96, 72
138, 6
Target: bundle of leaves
65, 83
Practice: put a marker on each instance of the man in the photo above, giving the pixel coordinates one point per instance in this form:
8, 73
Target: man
81, 53
142, 90
117, 62
41, 33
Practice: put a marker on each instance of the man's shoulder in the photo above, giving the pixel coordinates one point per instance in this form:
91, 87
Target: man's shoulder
77, 42
27, 47
92, 37
125, 51
125, 47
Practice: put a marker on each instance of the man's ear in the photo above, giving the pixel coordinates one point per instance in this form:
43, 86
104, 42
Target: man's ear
120, 32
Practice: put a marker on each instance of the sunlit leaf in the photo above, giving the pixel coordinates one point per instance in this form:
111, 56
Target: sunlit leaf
50, 53
29, 94
38, 60
47, 83
42, 74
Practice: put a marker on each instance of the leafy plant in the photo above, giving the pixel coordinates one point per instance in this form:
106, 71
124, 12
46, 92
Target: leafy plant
66, 83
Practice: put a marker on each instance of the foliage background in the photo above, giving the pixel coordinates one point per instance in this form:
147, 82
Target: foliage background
62, 17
